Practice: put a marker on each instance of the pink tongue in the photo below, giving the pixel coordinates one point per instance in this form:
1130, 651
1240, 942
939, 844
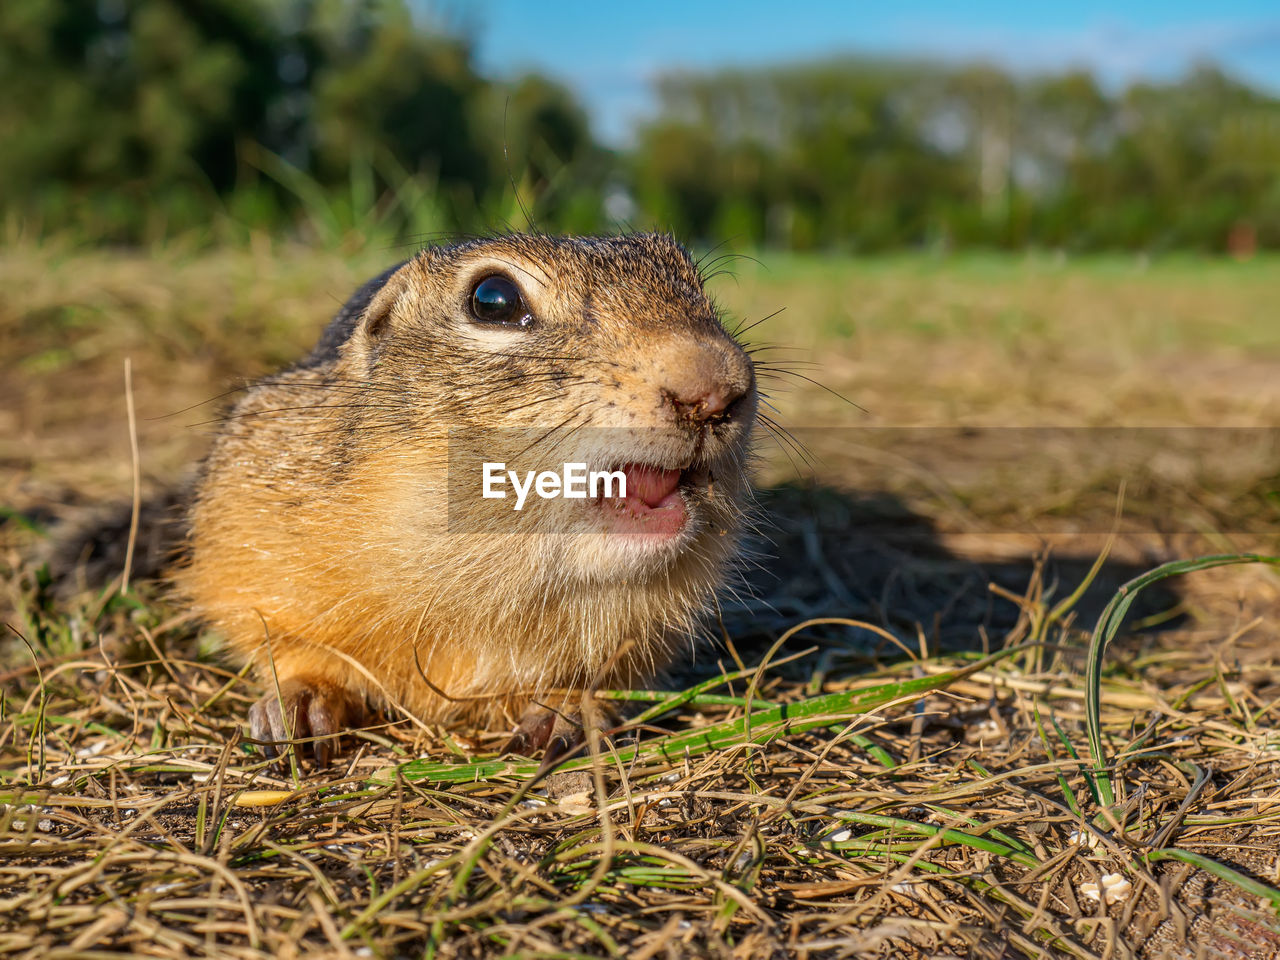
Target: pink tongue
650, 485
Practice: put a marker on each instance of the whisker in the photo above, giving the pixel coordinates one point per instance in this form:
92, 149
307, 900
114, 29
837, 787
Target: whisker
786, 436
739, 330
783, 371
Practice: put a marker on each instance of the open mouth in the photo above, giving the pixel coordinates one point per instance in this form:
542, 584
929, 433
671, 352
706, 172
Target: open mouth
655, 502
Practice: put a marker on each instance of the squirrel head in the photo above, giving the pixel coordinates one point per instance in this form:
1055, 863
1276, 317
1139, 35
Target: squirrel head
535, 351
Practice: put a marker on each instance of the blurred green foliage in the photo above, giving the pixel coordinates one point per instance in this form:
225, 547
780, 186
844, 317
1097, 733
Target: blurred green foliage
137, 120
140, 121
867, 156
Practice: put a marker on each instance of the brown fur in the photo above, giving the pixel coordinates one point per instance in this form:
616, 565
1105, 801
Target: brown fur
328, 548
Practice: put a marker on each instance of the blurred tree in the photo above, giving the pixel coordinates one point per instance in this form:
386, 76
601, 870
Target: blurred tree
381, 82
866, 155
538, 142
832, 154
111, 103
129, 119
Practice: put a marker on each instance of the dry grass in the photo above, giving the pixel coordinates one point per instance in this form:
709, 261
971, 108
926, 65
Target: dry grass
928, 814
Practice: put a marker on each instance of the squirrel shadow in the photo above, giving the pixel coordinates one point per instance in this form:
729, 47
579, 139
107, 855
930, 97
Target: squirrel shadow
826, 552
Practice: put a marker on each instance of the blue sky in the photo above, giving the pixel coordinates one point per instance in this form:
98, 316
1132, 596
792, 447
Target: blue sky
608, 52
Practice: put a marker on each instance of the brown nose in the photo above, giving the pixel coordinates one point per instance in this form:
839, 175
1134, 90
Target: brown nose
712, 403
701, 382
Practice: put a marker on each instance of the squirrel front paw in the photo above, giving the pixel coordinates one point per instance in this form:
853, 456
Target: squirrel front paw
559, 733
305, 711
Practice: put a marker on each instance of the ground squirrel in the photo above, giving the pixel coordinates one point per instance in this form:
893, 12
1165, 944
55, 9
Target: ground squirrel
339, 537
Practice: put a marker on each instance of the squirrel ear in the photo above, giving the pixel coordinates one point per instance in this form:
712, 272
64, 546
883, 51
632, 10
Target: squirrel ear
376, 318
375, 324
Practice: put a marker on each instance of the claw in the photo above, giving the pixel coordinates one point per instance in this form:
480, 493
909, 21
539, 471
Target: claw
560, 735
559, 748
566, 735
532, 732
317, 711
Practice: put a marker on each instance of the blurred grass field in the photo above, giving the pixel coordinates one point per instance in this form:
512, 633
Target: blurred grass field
127, 826
912, 340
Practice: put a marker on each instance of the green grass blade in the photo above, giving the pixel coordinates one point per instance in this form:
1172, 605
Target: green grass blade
672, 700
1221, 871
823, 711
1109, 625
1016, 851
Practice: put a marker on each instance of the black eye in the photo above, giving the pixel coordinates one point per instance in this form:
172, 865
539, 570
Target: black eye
497, 300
